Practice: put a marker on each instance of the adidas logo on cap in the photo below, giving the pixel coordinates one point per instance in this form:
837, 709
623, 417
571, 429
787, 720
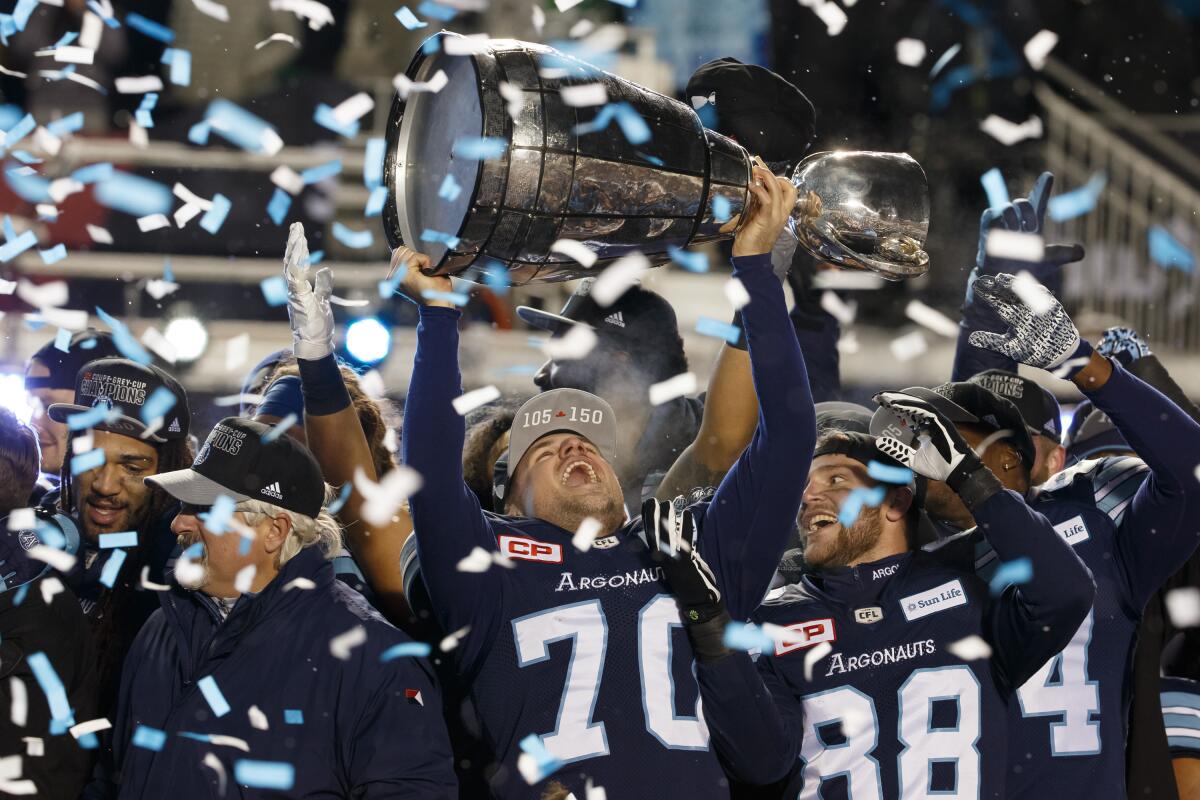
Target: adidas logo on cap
272, 490
616, 319
174, 426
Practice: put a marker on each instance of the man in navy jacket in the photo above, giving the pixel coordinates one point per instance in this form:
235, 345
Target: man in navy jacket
262, 675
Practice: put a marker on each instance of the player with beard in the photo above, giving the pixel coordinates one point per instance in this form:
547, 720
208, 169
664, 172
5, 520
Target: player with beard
112, 497
879, 683
563, 638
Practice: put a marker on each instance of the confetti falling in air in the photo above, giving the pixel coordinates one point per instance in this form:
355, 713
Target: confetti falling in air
212, 695
122, 539
466, 403
1009, 133
747, 637
677, 386
707, 326
277, 775
971, 648
886, 473
908, 346
1011, 573
384, 498
341, 645
815, 654
575, 344
993, 185
405, 650
1169, 252
1038, 47
479, 148
721, 208
576, 251
692, 262
910, 52
1015, 246
1032, 293
149, 738
931, 318
736, 294
586, 534
1078, 202
1183, 607
859, 497
839, 309
536, 762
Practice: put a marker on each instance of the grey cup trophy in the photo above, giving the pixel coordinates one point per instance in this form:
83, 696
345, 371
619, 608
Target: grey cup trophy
594, 175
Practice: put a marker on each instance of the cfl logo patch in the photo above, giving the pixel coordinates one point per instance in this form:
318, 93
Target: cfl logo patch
805, 634
531, 550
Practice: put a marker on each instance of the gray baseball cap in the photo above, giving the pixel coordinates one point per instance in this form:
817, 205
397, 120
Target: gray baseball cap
562, 410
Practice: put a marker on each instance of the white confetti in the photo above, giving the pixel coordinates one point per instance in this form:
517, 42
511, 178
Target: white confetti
972, 648
581, 28
469, 401
478, 560
90, 31
153, 222
99, 235
736, 294
278, 37
1015, 245
832, 15
74, 55
237, 350
158, 288
61, 318
47, 211
1009, 133
575, 250
931, 318
303, 584
341, 645
221, 14
238, 400
47, 141
270, 143
1032, 293
153, 338
258, 720
185, 214
539, 19
574, 345
384, 498
372, 384
189, 572
353, 108
910, 52
62, 188
814, 655
676, 386
838, 308
22, 519
586, 534
514, 98
859, 280
404, 86
138, 136
139, 84
1183, 607
451, 641
53, 556
189, 197
908, 346
43, 295
244, 579
583, 95
210, 759
317, 14
50, 587
471, 45
566, 5
1037, 48
7, 287
346, 302
81, 444
591, 792
618, 278
287, 179
18, 707
34, 746
91, 726
150, 585
14, 73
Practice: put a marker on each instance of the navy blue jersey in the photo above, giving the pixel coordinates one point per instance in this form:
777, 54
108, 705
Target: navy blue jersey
1134, 523
584, 650
889, 690
1180, 699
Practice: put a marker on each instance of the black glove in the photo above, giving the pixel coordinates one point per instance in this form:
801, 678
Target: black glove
942, 453
671, 537
1123, 344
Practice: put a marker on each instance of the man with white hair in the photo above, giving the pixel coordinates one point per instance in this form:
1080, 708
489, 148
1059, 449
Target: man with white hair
260, 667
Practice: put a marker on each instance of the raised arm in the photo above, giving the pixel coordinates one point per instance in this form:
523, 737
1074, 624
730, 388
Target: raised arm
1029, 622
1158, 530
334, 432
747, 524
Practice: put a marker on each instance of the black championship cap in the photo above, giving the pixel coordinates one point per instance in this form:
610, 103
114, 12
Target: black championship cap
856, 445
638, 319
236, 461
87, 345
127, 385
970, 404
842, 416
1038, 406
1092, 433
763, 111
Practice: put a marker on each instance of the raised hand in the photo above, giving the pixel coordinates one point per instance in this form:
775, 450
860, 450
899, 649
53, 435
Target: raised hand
1123, 344
415, 282
942, 453
671, 539
1040, 332
773, 199
309, 311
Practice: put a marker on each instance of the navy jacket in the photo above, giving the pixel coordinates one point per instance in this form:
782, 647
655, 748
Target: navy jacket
358, 727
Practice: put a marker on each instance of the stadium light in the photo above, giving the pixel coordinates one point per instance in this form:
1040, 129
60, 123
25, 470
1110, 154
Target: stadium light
188, 336
368, 340
14, 397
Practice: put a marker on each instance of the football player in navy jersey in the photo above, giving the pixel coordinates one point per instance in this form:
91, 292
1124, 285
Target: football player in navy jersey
578, 649
1133, 521
881, 685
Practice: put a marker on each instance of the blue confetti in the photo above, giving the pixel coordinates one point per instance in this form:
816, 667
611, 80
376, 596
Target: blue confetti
993, 185
214, 218
435, 11
546, 762
23, 128
100, 12
1017, 571
160, 401
142, 115
707, 326
655, 160
66, 39
631, 123
274, 290
450, 189
747, 637
1078, 202
30, 188
323, 116
168, 275
122, 539
68, 124
316, 257
54, 254
430, 46
375, 202
279, 775
216, 519
238, 125
198, 133
852, 506
1167, 251
51, 536
52, 687
96, 415
62, 340
130, 347
373, 162
293, 716
408, 19
90, 460
340, 500
495, 277
321, 172
279, 205
216, 701
886, 473
406, 650
14, 247
22, 11
447, 239
93, 173
112, 567
692, 262
943, 60
480, 148
456, 298
941, 92
149, 738
281, 427
150, 28
10, 231
26, 157
388, 287
180, 62
355, 240
134, 195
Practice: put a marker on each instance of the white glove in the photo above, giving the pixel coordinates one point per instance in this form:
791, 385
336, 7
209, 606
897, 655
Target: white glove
308, 304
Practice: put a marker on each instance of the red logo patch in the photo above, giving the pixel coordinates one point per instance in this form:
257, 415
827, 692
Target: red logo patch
561, 414
531, 550
806, 634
